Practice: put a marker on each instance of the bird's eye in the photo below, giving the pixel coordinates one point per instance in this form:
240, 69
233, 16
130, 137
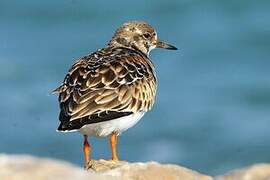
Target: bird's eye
146, 35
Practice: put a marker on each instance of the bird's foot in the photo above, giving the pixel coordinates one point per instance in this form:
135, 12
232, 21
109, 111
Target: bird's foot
103, 165
115, 158
90, 164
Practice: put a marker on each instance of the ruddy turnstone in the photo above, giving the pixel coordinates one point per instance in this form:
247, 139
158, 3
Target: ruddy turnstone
108, 91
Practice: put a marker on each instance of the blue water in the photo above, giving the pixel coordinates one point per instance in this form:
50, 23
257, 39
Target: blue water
213, 104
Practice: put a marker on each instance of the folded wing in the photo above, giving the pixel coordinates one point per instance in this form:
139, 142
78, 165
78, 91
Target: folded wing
99, 90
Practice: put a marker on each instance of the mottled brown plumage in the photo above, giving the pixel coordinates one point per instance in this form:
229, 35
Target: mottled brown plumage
107, 82
108, 91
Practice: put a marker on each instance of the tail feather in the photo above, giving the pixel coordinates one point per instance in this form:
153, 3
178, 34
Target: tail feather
65, 123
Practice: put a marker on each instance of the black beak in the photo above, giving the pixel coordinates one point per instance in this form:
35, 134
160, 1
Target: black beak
164, 45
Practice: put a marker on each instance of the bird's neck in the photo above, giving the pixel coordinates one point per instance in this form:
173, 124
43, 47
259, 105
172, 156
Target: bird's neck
129, 45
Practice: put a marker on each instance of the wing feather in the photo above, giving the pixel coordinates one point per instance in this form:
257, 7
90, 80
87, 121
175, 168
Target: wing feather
93, 86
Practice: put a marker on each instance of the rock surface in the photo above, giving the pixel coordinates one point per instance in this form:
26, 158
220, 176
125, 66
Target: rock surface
255, 172
18, 167
143, 171
23, 167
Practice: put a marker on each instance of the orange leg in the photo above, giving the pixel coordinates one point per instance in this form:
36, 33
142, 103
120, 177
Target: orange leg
113, 141
86, 150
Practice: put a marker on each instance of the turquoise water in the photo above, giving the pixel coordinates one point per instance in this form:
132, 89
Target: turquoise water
212, 110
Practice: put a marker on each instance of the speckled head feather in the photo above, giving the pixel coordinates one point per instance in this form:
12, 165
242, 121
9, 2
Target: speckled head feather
137, 35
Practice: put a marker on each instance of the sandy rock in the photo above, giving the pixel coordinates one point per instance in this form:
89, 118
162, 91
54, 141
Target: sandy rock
144, 171
18, 167
255, 172
24, 167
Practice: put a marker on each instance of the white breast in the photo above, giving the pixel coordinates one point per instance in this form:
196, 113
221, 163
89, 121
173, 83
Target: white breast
106, 128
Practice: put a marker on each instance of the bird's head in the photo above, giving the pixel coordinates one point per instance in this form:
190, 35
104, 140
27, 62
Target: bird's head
138, 35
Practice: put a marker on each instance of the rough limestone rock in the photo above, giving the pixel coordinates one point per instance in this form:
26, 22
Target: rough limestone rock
25, 167
255, 172
144, 171
18, 167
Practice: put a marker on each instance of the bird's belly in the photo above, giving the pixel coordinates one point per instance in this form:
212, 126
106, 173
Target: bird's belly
118, 125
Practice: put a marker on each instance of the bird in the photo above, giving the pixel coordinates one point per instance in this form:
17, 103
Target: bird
108, 91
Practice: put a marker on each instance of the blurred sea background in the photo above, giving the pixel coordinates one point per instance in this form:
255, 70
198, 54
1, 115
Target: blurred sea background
213, 103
